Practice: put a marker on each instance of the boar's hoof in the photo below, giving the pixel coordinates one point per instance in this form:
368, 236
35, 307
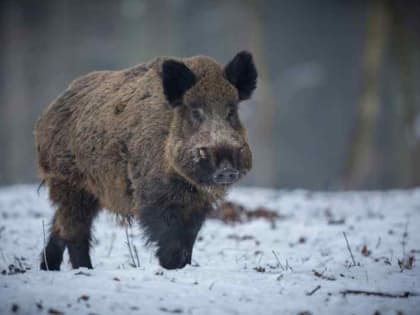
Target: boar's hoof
174, 259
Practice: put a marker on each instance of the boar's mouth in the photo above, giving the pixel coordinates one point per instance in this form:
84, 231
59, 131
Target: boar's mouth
212, 168
219, 166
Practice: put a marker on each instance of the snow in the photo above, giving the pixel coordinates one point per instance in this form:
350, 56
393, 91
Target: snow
249, 268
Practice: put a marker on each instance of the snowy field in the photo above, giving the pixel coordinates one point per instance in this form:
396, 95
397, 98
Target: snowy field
299, 265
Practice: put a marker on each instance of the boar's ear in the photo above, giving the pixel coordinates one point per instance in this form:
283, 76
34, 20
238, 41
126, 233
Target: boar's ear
177, 78
241, 72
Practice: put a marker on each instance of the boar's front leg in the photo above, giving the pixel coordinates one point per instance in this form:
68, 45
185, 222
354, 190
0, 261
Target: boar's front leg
71, 226
173, 231
52, 255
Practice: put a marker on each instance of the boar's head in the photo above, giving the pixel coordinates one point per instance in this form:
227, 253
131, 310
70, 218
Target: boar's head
207, 142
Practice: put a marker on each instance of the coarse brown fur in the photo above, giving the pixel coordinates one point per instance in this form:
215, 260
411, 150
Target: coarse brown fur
143, 142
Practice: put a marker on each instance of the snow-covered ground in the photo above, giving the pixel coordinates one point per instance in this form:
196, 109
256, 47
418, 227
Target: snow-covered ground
301, 264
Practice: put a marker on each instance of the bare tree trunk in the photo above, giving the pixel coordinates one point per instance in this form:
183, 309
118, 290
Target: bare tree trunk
266, 171
409, 166
363, 158
409, 145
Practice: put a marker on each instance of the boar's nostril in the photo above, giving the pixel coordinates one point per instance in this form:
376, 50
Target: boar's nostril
226, 176
174, 259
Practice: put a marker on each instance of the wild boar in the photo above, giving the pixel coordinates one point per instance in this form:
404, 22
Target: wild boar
160, 142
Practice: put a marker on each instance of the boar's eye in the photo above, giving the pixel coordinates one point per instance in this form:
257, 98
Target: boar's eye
197, 114
232, 117
230, 114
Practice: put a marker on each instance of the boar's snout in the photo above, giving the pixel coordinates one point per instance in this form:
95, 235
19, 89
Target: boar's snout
224, 165
174, 258
225, 174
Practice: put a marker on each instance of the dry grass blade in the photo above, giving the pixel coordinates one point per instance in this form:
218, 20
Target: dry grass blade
137, 255
129, 247
349, 249
44, 251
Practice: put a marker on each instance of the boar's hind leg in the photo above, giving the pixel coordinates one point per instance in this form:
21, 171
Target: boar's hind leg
76, 209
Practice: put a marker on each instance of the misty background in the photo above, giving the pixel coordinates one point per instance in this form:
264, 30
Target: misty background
337, 104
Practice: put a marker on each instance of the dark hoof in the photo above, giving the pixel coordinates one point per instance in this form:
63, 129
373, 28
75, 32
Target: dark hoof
53, 267
175, 260
52, 255
79, 254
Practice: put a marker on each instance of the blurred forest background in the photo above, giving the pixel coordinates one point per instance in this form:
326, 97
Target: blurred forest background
337, 106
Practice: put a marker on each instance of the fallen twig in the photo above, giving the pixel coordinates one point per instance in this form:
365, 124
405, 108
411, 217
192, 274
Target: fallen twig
322, 276
336, 221
405, 294
313, 291
349, 249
